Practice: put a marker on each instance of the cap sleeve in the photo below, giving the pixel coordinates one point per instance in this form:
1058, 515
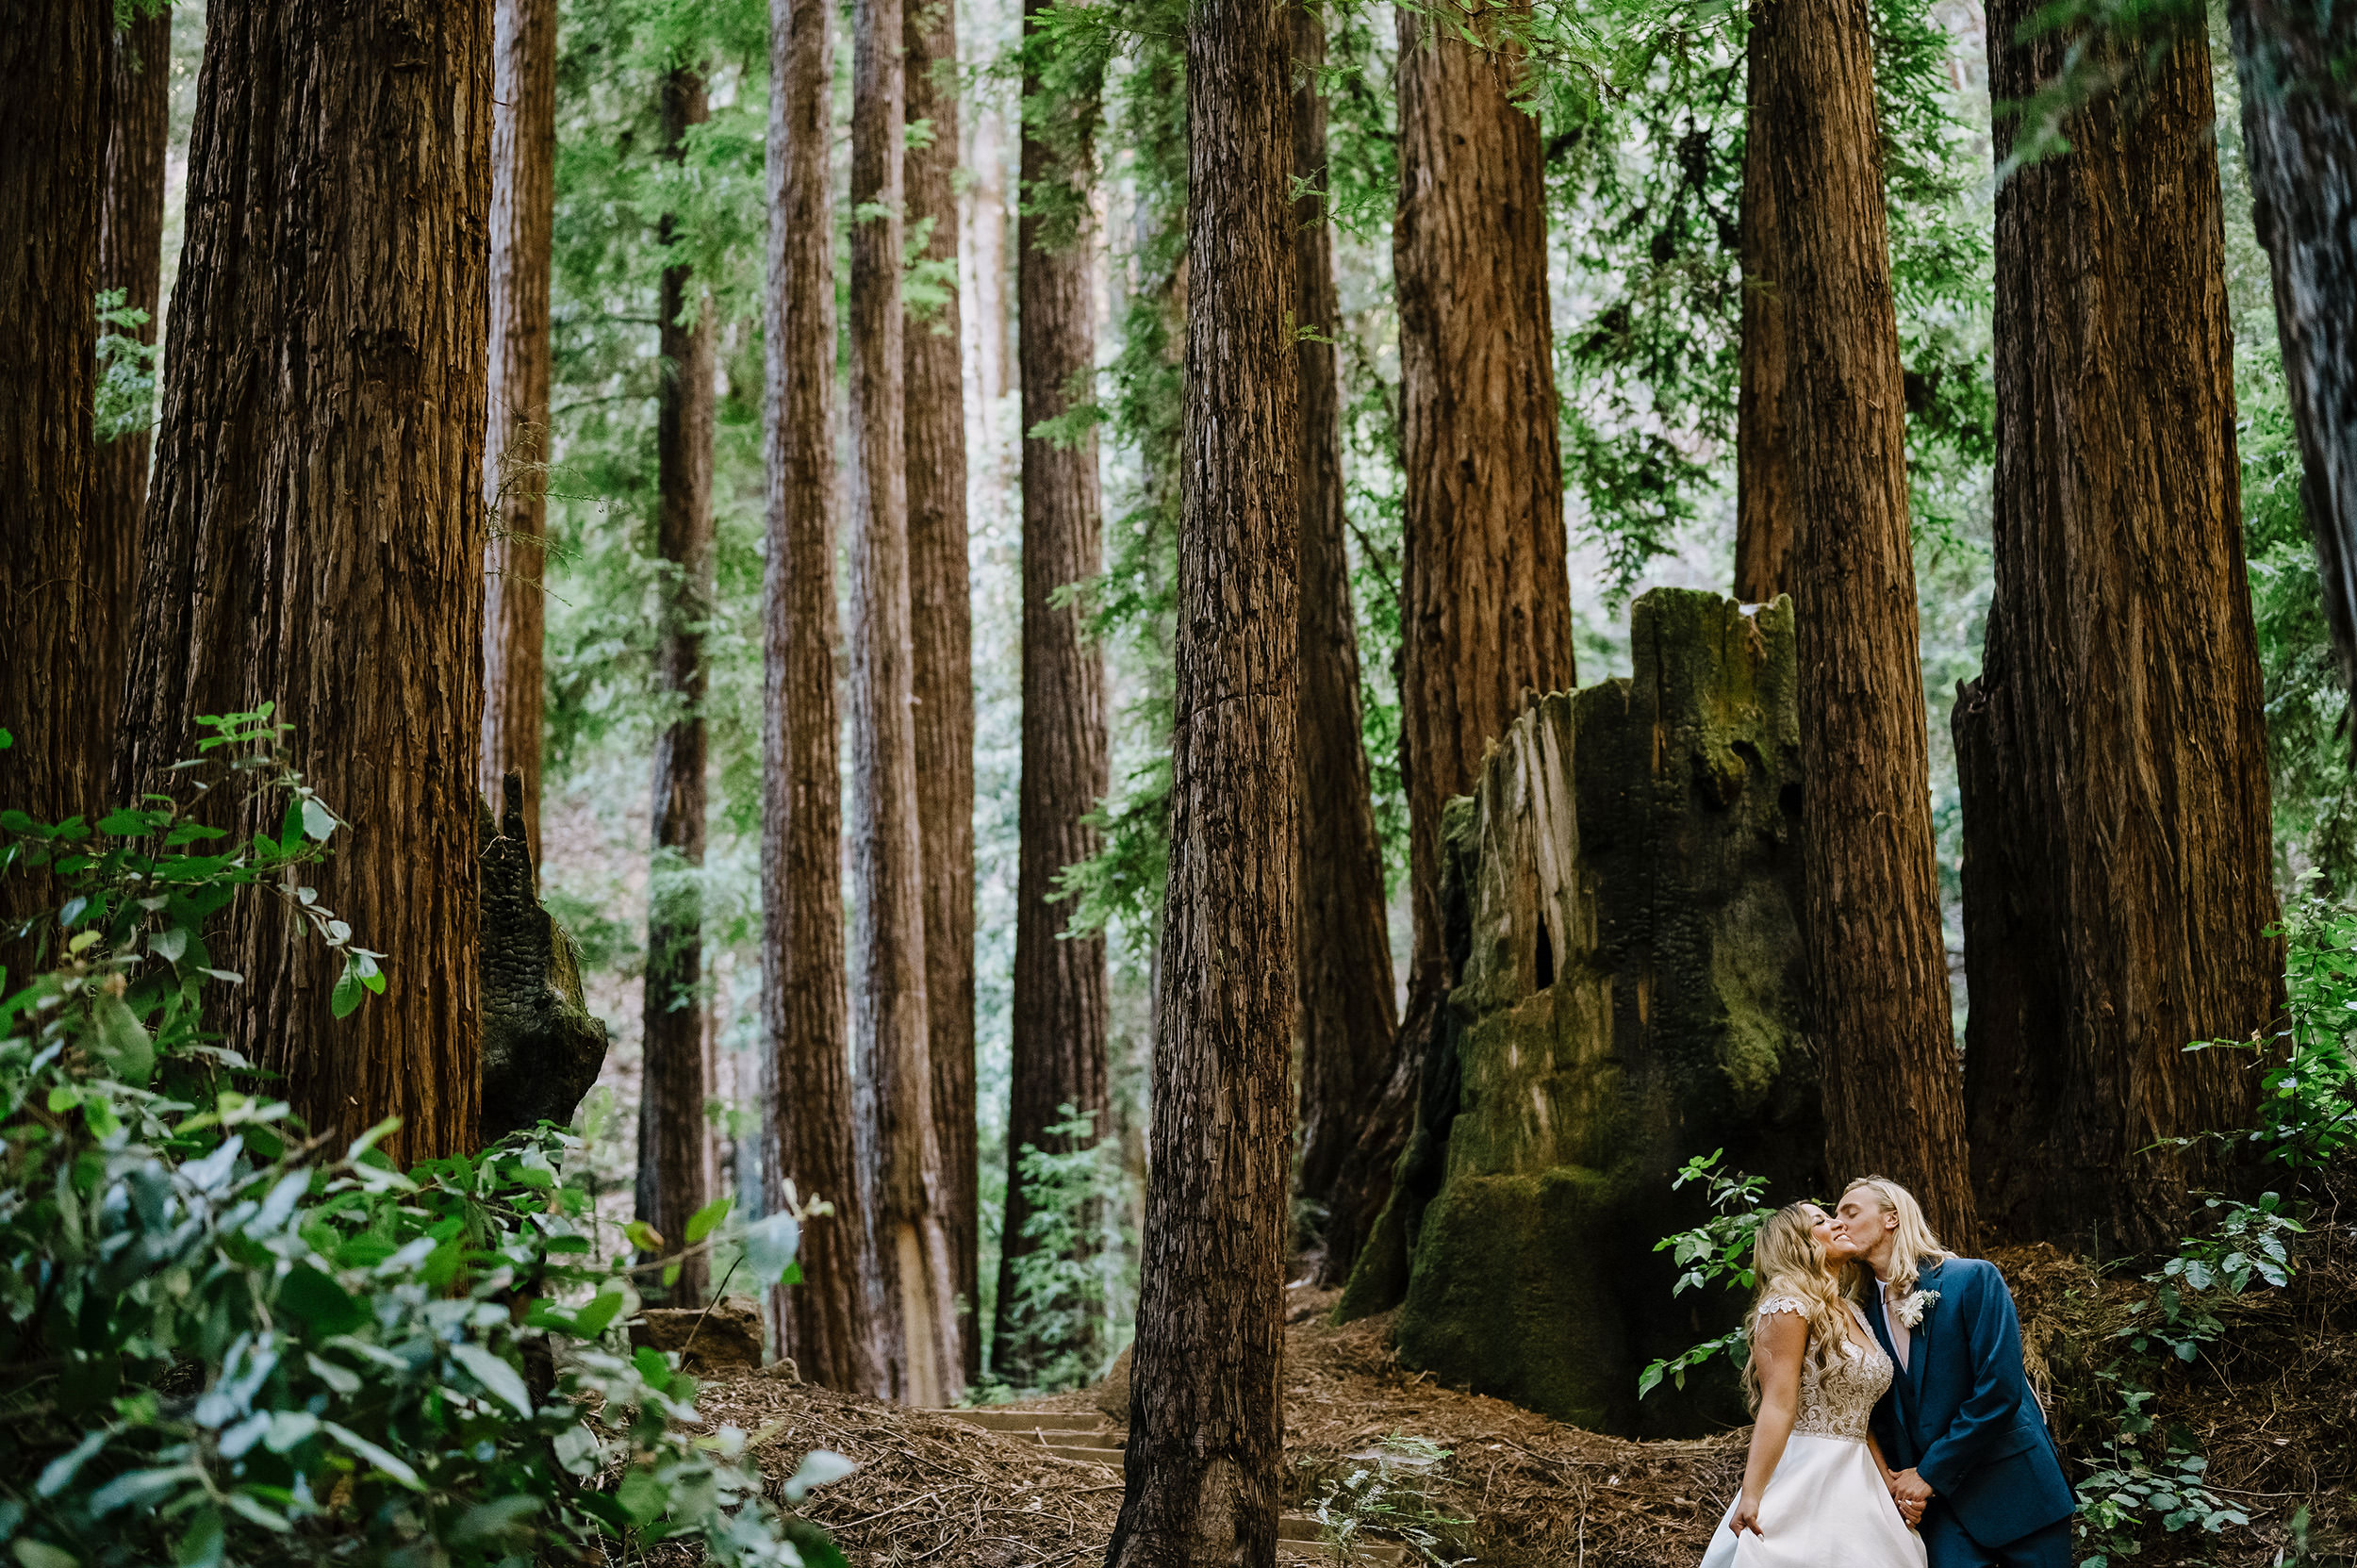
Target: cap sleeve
1783, 1304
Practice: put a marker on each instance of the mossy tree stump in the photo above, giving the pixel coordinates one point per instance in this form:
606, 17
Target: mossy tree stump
1622, 894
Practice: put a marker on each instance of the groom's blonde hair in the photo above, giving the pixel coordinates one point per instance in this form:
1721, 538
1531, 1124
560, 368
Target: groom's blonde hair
1912, 1243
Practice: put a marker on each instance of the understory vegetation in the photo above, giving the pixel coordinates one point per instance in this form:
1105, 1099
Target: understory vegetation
225, 1339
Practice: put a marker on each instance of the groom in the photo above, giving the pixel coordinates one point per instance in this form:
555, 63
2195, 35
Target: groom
1975, 1462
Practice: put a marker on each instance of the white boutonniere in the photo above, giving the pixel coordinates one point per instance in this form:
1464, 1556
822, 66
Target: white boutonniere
1912, 1307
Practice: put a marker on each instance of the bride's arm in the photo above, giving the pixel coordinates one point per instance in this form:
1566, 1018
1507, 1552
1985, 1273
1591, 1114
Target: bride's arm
1911, 1512
1779, 1341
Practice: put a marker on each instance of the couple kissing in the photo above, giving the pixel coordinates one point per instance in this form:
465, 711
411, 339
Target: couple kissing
1896, 1427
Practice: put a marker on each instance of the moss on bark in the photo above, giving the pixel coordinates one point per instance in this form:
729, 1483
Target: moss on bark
1621, 896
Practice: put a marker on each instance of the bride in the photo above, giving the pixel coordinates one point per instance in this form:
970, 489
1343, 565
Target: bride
1816, 1492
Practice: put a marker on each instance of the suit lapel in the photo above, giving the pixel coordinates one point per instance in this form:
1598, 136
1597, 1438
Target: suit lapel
1920, 1352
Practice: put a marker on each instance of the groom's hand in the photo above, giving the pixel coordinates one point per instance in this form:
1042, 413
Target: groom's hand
1907, 1488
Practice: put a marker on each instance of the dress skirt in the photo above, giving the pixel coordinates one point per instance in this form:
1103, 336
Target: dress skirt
1824, 1507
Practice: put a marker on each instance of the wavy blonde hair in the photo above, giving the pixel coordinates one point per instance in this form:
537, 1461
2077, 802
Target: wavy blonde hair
1912, 1244
1787, 1261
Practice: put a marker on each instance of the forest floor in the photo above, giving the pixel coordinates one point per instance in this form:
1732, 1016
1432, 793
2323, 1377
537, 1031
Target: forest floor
2273, 1405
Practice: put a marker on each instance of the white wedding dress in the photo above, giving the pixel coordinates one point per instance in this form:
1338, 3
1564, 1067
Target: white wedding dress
1825, 1506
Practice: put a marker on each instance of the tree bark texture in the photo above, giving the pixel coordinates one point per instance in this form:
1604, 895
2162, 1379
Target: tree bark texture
516, 433
314, 533
54, 62
1894, 1095
1766, 516
1059, 1022
131, 259
1346, 1025
942, 606
2299, 136
1205, 1426
824, 1323
1486, 606
915, 1269
672, 1163
2118, 844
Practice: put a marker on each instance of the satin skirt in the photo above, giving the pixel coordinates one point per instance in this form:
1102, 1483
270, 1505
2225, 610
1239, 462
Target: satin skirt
1824, 1508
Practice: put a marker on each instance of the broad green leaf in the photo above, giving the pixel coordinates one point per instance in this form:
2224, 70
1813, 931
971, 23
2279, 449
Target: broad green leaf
317, 821
121, 1040
820, 1467
643, 1496
345, 1000
321, 1302
652, 1368
497, 1377
60, 1472
770, 1243
40, 1554
362, 1448
699, 1224
593, 1319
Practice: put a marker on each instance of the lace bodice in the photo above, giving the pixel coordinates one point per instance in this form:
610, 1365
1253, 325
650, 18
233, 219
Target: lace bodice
1836, 1402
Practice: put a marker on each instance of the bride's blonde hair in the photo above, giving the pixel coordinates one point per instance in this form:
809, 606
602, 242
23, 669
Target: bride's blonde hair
1912, 1244
1787, 1261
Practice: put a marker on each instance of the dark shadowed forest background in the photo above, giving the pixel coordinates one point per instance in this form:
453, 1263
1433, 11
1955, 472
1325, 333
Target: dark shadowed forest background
732, 721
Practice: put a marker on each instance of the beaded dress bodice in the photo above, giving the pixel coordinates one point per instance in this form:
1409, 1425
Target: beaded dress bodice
1838, 1401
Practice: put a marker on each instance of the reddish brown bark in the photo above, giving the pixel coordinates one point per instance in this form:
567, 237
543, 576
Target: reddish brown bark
1765, 515
130, 258
1894, 1101
916, 1267
672, 1166
2118, 845
314, 533
1486, 608
823, 1323
1346, 1025
2299, 134
515, 485
941, 607
1206, 1427
53, 74
1058, 1019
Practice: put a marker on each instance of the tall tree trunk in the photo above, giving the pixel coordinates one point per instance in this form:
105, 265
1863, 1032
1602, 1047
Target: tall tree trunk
672, 1131
2117, 845
53, 77
982, 296
1206, 1427
1766, 516
130, 258
1346, 1025
1894, 1097
823, 1323
1058, 1019
313, 534
1486, 602
2299, 134
914, 1263
515, 437
942, 605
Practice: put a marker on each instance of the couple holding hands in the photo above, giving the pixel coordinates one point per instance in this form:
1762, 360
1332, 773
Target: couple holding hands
1896, 1425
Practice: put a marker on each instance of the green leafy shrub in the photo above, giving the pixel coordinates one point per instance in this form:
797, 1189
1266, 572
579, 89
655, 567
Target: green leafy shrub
226, 1342
1075, 1288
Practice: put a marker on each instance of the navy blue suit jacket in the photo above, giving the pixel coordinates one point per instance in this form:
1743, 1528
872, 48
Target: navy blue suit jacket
1961, 1414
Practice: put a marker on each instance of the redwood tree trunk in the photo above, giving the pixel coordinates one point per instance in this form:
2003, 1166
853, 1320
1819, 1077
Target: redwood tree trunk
314, 536
131, 259
1058, 1019
515, 437
1766, 517
672, 1137
943, 610
1206, 1427
2299, 134
915, 1265
2117, 845
824, 1322
1346, 1025
53, 73
1894, 1095
1485, 600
